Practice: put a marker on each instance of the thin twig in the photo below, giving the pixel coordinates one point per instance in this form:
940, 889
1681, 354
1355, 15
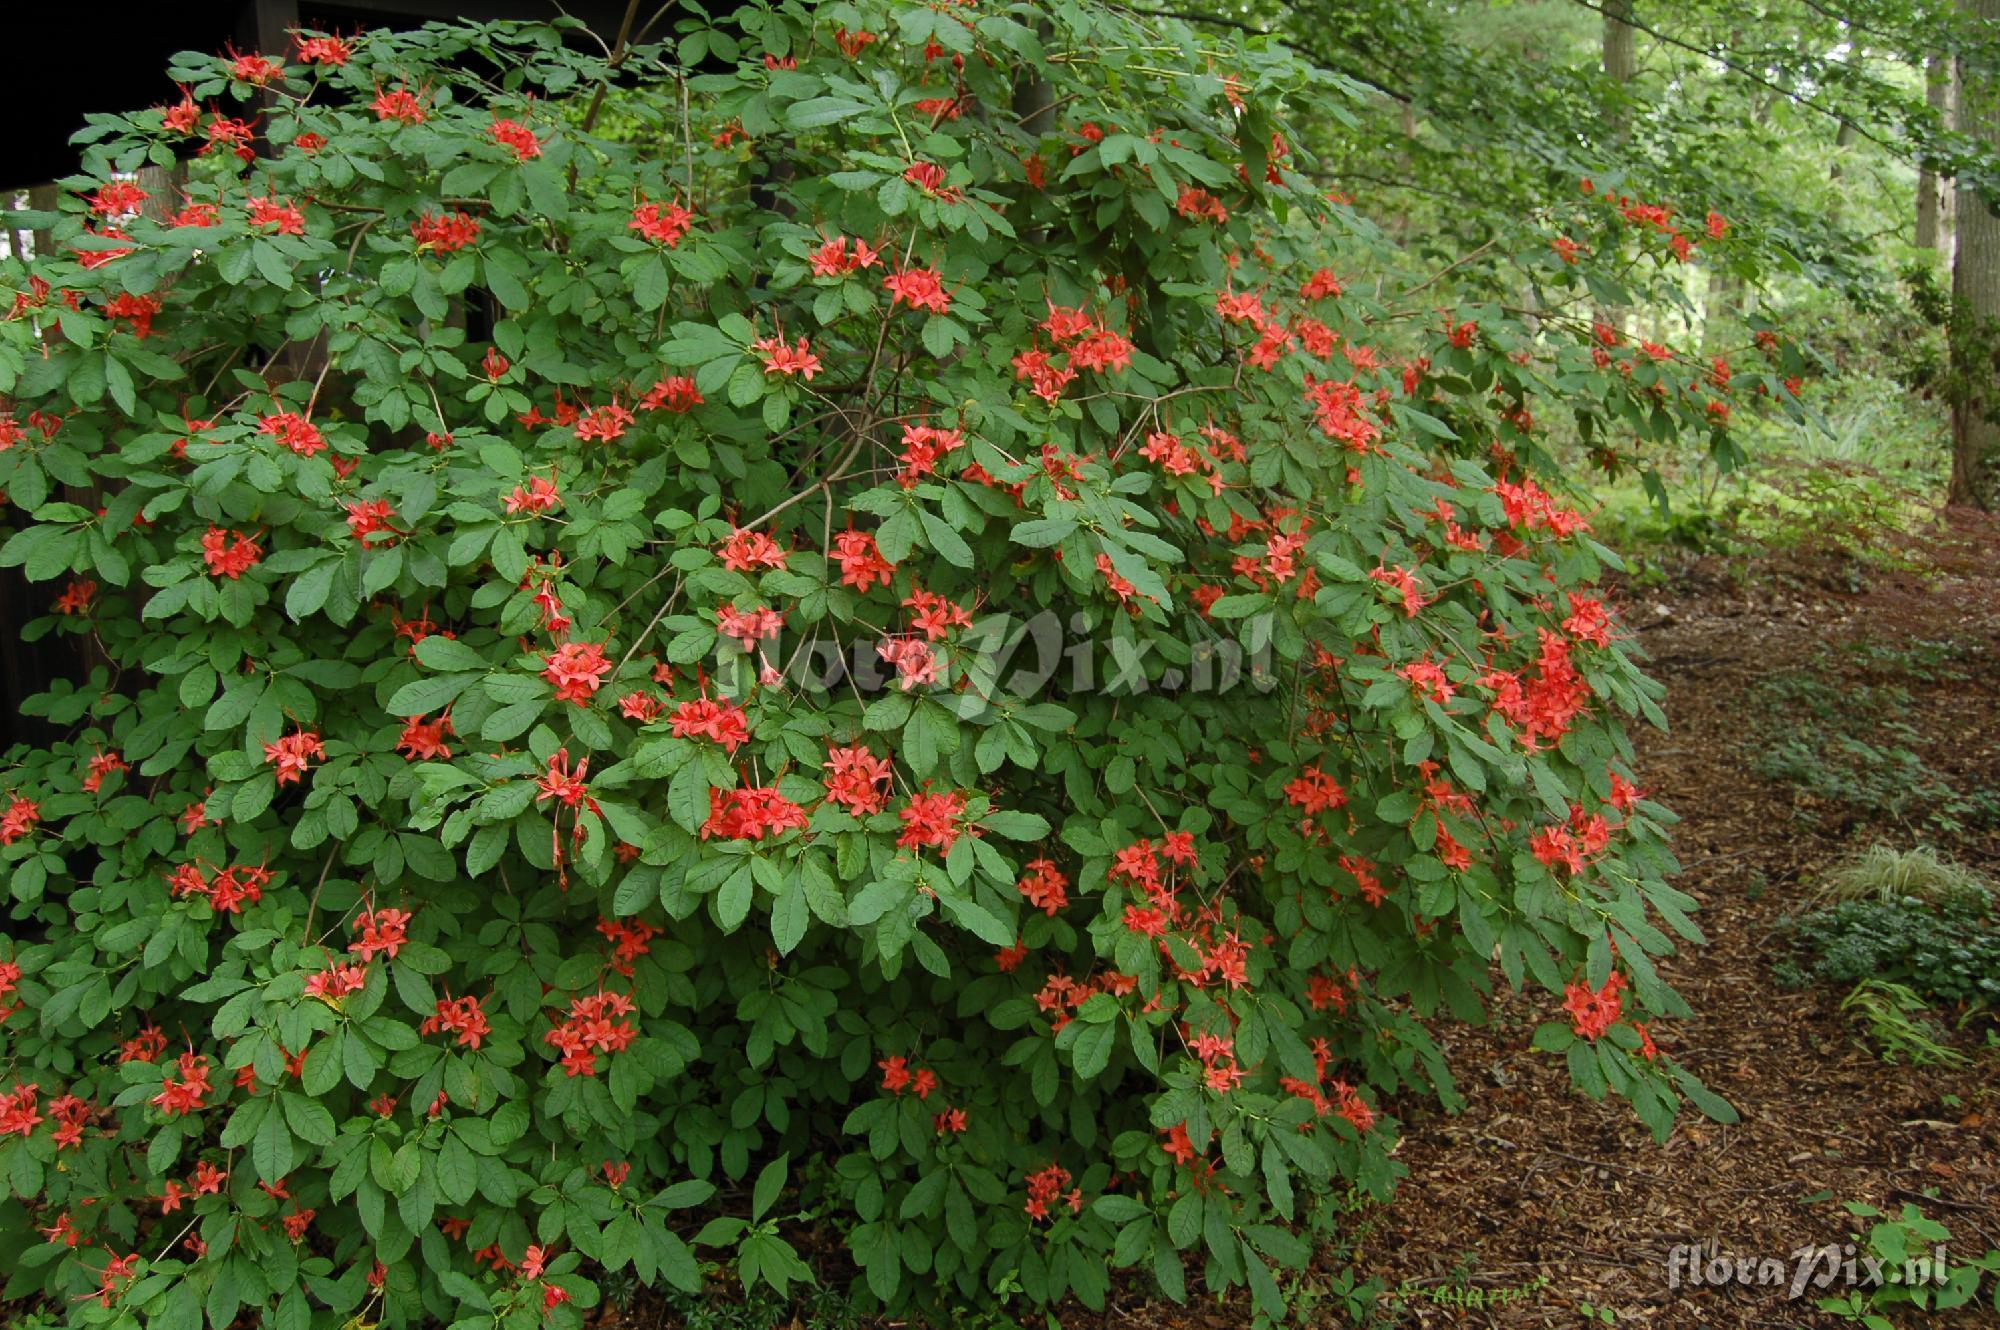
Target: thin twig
647, 631
616, 58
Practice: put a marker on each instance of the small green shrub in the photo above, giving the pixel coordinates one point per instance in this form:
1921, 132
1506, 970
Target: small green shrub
1931, 660
1853, 744
1945, 949
1906, 1247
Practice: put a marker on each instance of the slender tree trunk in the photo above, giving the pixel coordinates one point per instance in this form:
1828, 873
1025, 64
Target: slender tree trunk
1727, 295
1402, 225
1034, 107
1975, 290
1948, 202
1621, 66
1930, 190
18, 244
1621, 52
1621, 62
1717, 297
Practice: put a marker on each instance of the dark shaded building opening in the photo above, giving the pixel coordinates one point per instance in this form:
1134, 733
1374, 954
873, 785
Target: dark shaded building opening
72, 61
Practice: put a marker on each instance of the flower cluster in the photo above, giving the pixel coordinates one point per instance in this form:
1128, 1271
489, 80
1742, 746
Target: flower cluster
461, 1017
593, 1025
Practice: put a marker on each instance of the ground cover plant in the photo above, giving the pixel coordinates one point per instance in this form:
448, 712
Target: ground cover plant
565, 785
1851, 745
1906, 918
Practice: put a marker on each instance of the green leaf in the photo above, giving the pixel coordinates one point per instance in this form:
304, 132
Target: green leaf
790, 914
506, 286
1711, 1104
439, 652
1116, 1209
1238, 606
251, 798
511, 722
687, 797
946, 541
457, 1171
937, 336
271, 1150
746, 383
1092, 1051
509, 555
816, 112
1042, 532
770, 1182
1552, 1037
118, 380
650, 282
276, 268
420, 697
308, 1119
309, 590
322, 1069
1016, 825
732, 902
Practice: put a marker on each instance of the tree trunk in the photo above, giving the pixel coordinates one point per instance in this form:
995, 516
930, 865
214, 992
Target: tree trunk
43, 198
1621, 56
1035, 94
1718, 298
1930, 190
1621, 66
1975, 291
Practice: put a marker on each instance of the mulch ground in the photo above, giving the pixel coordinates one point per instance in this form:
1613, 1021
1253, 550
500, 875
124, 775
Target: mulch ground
1533, 1185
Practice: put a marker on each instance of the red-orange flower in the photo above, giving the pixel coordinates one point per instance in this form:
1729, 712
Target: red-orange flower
292, 754
661, 223
577, 670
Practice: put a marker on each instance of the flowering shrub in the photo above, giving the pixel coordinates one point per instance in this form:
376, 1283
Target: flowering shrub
837, 650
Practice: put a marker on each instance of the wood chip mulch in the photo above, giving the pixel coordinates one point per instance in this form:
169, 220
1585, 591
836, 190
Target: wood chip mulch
1536, 1185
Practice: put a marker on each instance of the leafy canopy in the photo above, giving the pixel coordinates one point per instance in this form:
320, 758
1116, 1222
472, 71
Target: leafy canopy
887, 634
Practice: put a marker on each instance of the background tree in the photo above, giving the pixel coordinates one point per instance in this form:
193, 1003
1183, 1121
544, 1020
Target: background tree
1933, 194
1808, 125
1975, 289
